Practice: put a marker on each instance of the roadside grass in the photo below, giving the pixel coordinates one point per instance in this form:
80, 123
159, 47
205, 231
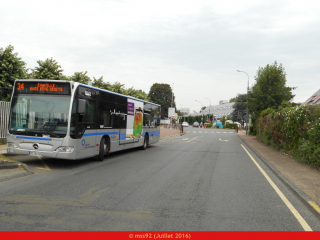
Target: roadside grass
3, 141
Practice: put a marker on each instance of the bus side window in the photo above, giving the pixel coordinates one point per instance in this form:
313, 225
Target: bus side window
104, 114
104, 118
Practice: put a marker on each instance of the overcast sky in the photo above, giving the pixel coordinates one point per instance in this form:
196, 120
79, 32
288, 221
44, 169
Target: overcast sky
195, 46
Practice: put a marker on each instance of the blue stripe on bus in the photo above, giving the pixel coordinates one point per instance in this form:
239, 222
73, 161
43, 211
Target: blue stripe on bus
33, 138
99, 133
155, 133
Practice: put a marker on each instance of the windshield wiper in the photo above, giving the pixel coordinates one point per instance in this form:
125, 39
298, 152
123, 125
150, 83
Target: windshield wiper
51, 133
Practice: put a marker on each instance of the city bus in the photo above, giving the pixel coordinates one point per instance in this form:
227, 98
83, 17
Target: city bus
71, 120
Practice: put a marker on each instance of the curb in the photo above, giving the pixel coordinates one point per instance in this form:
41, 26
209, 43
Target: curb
307, 201
7, 165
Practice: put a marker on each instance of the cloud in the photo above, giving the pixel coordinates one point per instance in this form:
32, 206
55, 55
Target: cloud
197, 45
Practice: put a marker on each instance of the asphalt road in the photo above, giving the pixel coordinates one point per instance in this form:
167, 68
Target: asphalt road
202, 181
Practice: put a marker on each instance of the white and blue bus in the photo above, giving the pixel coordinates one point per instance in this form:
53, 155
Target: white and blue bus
70, 120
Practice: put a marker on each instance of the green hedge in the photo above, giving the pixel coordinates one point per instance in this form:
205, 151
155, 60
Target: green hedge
295, 130
231, 125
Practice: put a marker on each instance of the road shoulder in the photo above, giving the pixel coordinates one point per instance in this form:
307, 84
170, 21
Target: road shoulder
302, 180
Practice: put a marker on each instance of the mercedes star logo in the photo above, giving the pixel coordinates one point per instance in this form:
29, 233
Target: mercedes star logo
35, 146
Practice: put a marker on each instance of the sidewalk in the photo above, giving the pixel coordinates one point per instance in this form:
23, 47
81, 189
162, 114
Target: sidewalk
10, 169
302, 180
168, 132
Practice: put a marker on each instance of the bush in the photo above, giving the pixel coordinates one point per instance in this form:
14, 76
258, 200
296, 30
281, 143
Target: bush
267, 111
209, 125
295, 130
231, 125
253, 130
217, 126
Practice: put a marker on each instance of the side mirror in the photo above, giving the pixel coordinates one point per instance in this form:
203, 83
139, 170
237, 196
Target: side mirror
81, 106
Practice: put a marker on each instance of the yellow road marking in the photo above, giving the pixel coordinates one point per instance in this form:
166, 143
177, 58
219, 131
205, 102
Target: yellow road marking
303, 223
315, 206
192, 139
46, 166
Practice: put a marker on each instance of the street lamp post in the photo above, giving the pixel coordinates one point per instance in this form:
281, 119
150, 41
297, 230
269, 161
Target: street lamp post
172, 96
247, 123
202, 107
171, 104
209, 107
184, 118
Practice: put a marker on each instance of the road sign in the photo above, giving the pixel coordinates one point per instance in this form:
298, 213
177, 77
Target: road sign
171, 112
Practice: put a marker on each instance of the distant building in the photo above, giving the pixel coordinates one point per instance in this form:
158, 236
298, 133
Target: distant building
218, 111
185, 111
315, 98
223, 102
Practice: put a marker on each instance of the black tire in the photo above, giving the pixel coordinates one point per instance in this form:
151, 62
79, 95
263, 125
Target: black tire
102, 149
107, 149
145, 142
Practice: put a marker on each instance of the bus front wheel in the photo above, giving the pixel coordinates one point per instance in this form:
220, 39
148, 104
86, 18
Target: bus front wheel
102, 149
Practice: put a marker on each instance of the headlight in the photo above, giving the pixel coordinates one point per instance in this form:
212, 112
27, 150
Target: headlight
11, 144
65, 149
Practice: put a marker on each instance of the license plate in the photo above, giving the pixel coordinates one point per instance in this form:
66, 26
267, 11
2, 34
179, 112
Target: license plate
37, 154
9, 150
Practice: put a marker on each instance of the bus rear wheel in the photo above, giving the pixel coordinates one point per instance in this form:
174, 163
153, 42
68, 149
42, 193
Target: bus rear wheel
145, 142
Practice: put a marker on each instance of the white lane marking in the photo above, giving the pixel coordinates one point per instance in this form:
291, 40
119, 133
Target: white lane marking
200, 132
223, 140
303, 223
194, 132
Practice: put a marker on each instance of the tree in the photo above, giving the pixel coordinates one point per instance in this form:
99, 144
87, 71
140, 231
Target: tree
48, 69
224, 118
270, 89
117, 87
161, 93
11, 68
233, 99
136, 93
239, 113
99, 83
80, 77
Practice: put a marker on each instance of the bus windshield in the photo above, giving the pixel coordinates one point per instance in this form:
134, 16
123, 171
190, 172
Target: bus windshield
39, 115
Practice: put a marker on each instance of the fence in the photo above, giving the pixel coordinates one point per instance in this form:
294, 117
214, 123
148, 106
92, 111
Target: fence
4, 118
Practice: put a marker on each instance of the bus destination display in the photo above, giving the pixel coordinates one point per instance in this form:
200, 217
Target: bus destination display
43, 87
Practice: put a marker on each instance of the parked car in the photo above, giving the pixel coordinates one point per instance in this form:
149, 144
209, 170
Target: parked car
195, 124
185, 124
